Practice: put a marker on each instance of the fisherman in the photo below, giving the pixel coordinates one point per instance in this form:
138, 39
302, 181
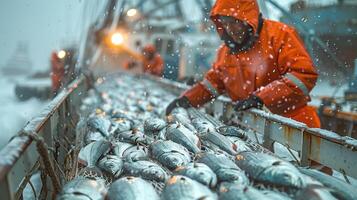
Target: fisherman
57, 73
261, 63
152, 61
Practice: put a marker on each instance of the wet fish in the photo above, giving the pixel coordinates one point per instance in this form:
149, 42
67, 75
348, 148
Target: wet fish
170, 154
228, 191
232, 131
181, 119
198, 172
152, 127
340, 189
314, 192
146, 169
239, 144
182, 135
131, 188
93, 137
203, 126
121, 125
112, 164
82, 188
99, 124
222, 142
182, 188
162, 134
90, 154
224, 168
133, 137
120, 148
119, 114
268, 169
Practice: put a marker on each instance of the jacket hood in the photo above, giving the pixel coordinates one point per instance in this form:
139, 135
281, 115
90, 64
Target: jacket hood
245, 10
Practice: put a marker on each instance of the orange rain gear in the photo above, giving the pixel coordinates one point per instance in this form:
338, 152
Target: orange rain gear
276, 68
57, 74
155, 65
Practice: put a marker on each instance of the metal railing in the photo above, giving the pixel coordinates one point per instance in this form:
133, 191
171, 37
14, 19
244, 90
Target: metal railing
322, 146
43, 145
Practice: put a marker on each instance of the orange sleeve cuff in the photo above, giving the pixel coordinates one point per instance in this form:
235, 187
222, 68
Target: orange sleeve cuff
198, 95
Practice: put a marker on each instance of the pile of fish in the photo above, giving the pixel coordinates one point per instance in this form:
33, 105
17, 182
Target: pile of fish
131, 150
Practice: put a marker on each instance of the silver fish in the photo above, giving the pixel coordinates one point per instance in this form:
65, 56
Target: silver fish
216, 139
162, 134
240, 145
120, 148
203, 126
145, 169
121, 125
224, 168
181, 187
228, 191
133, 137
233, 131
119, 114
129, 152
314, 192
99, 124
268, 169
93, 137
181, 119
82, 188
131, 188
340, 189
198, 172
170, 154
112, 164
90, 154
152, 127
136, 153
182, 135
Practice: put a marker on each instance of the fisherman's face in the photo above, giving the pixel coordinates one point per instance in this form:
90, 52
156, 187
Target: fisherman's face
238, 30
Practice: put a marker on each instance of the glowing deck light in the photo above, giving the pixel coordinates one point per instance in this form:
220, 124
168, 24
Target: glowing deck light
61, 54
131, 12
117, 39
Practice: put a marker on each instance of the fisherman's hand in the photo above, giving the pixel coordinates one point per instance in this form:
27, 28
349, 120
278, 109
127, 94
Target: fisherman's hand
251, 102
179, 102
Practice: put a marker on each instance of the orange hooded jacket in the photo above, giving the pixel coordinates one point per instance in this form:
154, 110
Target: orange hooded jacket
154, 66
57, 72
276, 67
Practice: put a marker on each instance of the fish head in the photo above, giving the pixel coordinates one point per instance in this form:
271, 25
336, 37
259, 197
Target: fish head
203, 173
138, 154
233, 175
283, 174
174, 159
156, 171
111, 164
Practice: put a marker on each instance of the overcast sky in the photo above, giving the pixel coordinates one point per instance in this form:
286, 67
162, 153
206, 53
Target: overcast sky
45, 25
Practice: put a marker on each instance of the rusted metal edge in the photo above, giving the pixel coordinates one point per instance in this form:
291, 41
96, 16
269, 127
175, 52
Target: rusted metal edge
18, 144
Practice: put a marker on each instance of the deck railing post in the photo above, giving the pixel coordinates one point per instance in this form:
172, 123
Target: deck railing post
268, 143
305, 148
